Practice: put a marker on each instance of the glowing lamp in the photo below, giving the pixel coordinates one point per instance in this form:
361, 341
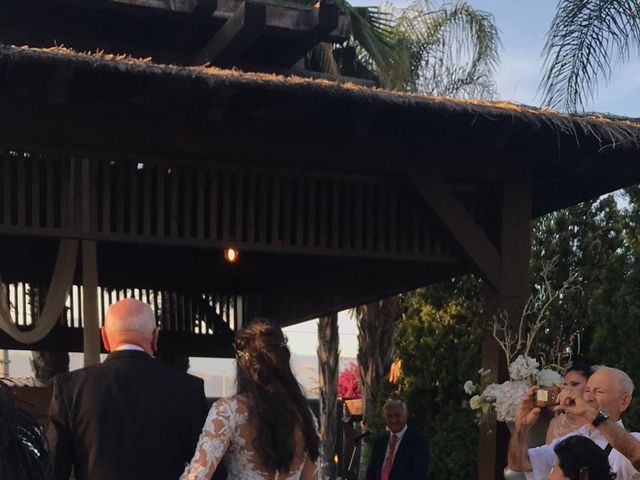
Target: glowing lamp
231, 254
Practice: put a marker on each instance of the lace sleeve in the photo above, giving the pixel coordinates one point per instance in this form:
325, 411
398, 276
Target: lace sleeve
213, 443
309, 470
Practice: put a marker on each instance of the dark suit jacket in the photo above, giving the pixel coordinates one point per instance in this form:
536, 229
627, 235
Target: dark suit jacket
128, 418
410, 463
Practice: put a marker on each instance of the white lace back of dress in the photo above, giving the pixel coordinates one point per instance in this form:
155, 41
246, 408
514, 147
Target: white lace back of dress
228, 434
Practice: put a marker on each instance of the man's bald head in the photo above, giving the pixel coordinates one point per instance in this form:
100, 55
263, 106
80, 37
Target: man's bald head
130, 321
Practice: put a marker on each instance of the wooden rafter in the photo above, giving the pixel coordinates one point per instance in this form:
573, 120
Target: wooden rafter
474, 241
326, 18
236, 35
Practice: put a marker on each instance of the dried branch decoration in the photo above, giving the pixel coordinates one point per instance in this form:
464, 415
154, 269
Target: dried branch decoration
520, 340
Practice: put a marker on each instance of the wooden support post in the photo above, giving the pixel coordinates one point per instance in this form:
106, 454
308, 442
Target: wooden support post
510, 296
91, 328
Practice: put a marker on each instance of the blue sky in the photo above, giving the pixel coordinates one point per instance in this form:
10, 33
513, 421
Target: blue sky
523, 25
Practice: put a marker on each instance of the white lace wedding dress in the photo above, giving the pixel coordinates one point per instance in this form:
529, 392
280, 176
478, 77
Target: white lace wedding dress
227, 436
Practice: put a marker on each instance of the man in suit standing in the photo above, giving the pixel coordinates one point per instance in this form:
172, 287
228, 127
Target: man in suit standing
130, 417
402, 453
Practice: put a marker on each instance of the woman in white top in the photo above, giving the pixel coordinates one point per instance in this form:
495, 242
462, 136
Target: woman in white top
266, 431
575, 378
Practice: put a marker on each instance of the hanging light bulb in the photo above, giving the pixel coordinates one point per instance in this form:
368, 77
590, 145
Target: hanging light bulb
231, 254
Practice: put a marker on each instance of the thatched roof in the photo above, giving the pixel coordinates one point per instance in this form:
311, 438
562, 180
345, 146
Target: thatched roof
610, 130
346, 126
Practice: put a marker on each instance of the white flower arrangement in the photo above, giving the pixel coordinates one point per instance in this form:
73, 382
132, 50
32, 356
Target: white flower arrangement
517, 339
469, 387
523, 368
504, 397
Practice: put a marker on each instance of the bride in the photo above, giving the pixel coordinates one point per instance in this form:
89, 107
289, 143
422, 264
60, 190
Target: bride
266, 431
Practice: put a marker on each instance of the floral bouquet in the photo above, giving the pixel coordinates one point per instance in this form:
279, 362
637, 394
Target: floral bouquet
504, 397
517, 339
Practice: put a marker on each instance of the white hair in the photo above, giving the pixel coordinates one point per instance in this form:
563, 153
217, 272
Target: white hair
624, 380
395, 402
129, 315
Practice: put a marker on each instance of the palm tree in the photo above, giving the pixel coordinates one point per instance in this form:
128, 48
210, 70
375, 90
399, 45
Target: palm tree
586, 40
377, 322
449, 50
453, 49
328, 356
371, 39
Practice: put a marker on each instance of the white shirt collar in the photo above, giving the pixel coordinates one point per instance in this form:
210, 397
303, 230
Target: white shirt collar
400, 434
129, 346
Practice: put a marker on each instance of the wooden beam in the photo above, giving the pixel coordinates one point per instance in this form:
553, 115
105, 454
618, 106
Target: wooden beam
91, 330
341, 286
510, 296
236, 35
175, 5
462, 226
70, 340
326, 19
516, 232
193, 23
204, 7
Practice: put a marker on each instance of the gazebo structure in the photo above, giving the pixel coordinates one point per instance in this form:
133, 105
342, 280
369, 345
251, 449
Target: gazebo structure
121, 176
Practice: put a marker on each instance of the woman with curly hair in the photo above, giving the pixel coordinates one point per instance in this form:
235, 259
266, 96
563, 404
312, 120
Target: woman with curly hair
579, 458
266, 431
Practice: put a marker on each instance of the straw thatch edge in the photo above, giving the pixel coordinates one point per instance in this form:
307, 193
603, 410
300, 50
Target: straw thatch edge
610, 131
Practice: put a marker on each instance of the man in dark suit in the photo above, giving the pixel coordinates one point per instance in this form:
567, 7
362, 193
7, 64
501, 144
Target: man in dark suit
130, 417
401, 453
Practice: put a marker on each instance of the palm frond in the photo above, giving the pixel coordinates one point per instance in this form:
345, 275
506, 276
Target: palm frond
322, 55
373, 31
585, 40
455, 49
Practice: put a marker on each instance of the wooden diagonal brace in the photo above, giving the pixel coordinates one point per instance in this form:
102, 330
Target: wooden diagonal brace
462, 226
239, 33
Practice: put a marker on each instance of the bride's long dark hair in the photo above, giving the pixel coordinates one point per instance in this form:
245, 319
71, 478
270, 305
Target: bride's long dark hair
277, 405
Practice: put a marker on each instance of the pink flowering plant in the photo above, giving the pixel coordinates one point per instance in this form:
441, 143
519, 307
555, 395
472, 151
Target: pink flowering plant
349, 382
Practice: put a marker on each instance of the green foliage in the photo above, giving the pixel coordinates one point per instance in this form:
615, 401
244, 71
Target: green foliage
599, 240
588, 239
439, 342
440, 335
615, 308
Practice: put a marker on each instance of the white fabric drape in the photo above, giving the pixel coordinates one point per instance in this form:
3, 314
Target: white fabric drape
59, 287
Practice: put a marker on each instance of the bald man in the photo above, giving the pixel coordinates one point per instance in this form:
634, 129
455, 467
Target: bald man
130, 417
